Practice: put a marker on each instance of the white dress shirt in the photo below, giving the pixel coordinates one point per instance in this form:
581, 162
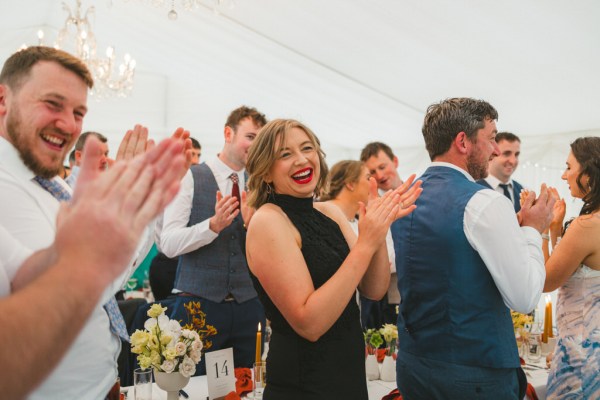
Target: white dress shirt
12, 255
512, 254
495, 184
176, 237
28, 212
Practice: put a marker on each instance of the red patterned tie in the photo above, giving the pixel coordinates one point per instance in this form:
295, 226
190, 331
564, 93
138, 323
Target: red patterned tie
235, 188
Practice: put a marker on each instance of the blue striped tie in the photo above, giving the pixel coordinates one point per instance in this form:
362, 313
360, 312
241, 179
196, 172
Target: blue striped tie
117, 323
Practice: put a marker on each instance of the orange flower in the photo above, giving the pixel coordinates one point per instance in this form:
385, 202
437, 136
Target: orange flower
197, 322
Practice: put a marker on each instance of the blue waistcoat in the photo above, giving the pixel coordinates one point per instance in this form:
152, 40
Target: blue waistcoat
219, 268
451, 310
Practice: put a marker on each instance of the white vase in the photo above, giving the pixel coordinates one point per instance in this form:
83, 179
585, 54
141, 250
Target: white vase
388, 369
371, 367
172, 383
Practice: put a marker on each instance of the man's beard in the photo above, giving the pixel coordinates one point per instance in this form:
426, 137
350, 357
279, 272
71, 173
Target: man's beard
13, 127
476, 169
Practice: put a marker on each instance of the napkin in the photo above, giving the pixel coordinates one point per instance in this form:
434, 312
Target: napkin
381, 355
243, 380
393, 395
233, 396
530, 392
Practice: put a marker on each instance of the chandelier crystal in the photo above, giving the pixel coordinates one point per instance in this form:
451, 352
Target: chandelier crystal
77, 37
189, 5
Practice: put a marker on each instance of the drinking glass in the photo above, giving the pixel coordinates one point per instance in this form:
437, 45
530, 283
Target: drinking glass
131, 284
147, 291
260, 378
534, 352
142, 384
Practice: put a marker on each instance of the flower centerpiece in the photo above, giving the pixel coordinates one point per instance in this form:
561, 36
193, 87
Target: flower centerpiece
390, 334
388, 367
373, 340
165, 346
521, 322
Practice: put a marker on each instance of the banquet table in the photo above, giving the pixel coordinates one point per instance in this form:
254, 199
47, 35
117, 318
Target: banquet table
197, 388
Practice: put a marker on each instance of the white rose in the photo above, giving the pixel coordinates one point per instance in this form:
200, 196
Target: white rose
197, 345
195, 355
174, 327
149, 324
196, 336
180, 348
168, 365
163, 322
186, 333
187, 367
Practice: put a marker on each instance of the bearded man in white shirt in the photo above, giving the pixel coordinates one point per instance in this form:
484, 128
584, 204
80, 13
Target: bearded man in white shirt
96, 237
463, 261
43, 100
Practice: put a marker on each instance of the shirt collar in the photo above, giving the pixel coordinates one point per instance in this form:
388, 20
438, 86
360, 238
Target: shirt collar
222, 171
495, 182
453, 166
12, 163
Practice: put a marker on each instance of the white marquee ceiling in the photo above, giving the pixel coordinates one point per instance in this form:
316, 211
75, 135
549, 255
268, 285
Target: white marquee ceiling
353, 70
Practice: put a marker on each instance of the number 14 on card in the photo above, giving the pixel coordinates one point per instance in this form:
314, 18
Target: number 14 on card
219, 373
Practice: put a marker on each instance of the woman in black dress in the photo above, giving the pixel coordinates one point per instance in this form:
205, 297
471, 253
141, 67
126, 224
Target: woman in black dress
307, 263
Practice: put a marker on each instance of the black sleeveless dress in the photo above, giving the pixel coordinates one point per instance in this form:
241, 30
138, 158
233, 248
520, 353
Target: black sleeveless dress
334, 366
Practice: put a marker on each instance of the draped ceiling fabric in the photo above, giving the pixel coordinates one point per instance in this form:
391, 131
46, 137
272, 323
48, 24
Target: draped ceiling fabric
354, 71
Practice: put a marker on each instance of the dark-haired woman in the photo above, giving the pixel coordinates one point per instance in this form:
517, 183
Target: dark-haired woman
574, 268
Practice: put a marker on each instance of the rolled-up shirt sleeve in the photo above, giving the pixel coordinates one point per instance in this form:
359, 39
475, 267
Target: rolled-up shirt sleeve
512, 254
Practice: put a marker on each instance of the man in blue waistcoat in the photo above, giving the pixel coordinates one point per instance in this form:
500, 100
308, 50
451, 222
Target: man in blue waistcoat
463, 260
502, 167
205, 225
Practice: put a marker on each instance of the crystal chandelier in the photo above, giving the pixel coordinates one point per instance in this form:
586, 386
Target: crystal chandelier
189, 5
77, 37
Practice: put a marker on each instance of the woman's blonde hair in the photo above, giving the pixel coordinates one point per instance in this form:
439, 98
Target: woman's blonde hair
263, 154
342, 172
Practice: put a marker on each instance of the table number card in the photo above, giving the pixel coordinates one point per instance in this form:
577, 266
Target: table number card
220, 373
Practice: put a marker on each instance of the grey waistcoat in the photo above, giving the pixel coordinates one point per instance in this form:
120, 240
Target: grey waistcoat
219, 268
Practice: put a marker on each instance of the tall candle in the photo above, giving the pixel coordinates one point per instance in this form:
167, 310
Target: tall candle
548, 320
258, 357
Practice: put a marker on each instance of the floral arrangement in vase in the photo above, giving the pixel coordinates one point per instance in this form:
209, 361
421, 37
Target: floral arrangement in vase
373, 340
390, 335
165, 345
520, 323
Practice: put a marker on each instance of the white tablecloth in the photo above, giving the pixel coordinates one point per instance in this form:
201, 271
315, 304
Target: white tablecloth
197, 388
538, 377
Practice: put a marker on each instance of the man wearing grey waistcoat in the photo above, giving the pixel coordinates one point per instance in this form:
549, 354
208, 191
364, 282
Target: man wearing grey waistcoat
205, 225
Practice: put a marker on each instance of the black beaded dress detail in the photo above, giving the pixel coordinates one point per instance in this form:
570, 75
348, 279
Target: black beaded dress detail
333, 367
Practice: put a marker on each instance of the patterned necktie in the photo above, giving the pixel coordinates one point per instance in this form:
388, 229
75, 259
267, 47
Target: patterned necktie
504, 187
235, 188
117, 323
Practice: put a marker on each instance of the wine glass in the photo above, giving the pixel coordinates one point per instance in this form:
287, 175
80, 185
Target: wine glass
131, 284
147, 291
